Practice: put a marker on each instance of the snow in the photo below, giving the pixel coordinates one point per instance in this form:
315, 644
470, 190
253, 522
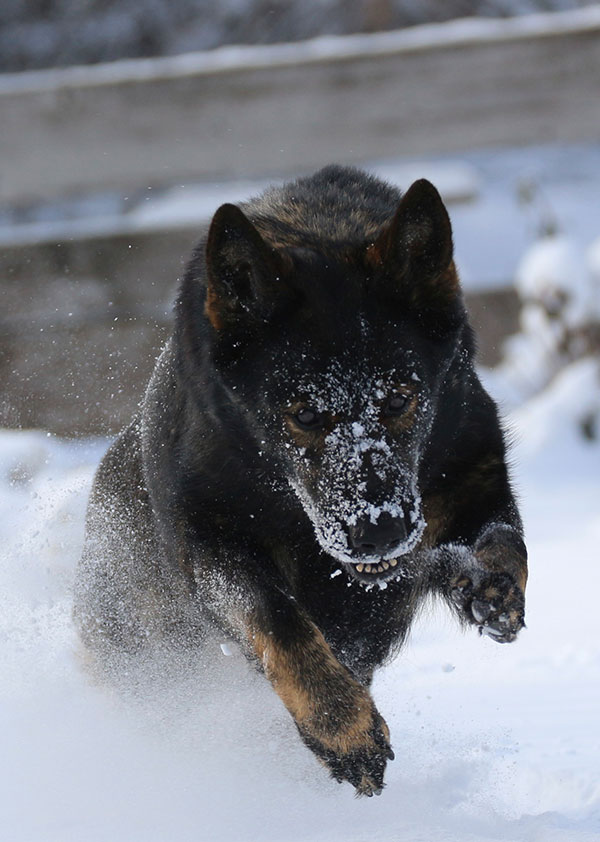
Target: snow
492, 742
593, 263
555, 266
559, 288
492, 233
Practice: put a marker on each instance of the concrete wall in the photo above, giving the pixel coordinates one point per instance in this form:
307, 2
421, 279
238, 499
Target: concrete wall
265, 111
84, 319
81, 323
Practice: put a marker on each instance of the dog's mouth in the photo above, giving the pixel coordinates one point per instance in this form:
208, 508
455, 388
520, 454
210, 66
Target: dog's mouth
386, 564
373, 571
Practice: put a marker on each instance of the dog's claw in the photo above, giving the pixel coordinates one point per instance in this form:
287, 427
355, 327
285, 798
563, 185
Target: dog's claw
501, 629
481, 610
498, 635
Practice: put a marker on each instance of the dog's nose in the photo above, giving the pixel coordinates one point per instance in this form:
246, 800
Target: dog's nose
377, 538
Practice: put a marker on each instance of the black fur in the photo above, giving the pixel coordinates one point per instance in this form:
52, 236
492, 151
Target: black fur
315, 421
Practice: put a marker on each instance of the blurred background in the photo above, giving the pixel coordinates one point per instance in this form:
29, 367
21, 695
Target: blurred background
123, 125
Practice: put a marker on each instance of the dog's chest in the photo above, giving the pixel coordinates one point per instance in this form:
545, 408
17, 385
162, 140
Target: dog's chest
361, 625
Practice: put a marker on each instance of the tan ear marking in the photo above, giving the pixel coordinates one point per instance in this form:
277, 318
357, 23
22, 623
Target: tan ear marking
373, 254
211, 309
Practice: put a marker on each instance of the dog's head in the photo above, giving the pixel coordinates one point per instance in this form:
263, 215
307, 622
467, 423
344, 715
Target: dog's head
335, 353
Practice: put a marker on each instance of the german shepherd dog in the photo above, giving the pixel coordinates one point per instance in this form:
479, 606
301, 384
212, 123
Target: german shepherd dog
314, 455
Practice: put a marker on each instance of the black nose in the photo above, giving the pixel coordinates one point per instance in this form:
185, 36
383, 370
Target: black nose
377, 538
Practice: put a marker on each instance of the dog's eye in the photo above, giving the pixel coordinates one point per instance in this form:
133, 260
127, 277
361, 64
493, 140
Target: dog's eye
308, 419
396, 404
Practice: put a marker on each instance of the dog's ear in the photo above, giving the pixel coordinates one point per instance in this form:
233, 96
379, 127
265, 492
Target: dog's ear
415, 251
243, 271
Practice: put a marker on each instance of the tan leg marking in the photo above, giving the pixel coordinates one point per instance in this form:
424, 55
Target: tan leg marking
320, 694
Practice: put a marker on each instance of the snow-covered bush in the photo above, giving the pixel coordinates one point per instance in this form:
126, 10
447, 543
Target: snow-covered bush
560, 310
559, 288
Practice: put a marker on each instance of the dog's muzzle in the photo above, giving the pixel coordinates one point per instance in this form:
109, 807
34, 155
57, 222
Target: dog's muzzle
378, 538
377, 545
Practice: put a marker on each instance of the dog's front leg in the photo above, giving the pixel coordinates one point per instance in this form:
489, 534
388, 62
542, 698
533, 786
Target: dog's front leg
489, 589
334, 713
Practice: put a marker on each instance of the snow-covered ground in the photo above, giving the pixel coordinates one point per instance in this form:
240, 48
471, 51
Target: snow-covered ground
492, 742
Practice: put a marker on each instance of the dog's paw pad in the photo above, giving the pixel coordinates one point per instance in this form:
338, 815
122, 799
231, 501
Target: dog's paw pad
496, 605
361, 761
503, 628
364, 770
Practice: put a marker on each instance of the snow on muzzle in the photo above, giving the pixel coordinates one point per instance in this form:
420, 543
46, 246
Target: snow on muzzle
368, 537
378, 542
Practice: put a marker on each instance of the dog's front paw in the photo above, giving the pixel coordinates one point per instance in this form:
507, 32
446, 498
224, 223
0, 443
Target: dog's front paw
492, 601
357, 753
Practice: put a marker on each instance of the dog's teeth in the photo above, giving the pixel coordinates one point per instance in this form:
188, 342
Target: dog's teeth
393, 562
368, 568
360, 567
380, 569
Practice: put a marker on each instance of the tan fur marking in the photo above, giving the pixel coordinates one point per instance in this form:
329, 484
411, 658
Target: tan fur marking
313, 439
521, 577
310, 439
405, 421
357, 733
448, 280
332, 685
505, 560
212, 310
374, 255
435, 513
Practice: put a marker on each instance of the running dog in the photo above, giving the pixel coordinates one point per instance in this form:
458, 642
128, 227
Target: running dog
313, 457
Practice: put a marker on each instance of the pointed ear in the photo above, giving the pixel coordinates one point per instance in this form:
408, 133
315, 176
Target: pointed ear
415, 253
243, 271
